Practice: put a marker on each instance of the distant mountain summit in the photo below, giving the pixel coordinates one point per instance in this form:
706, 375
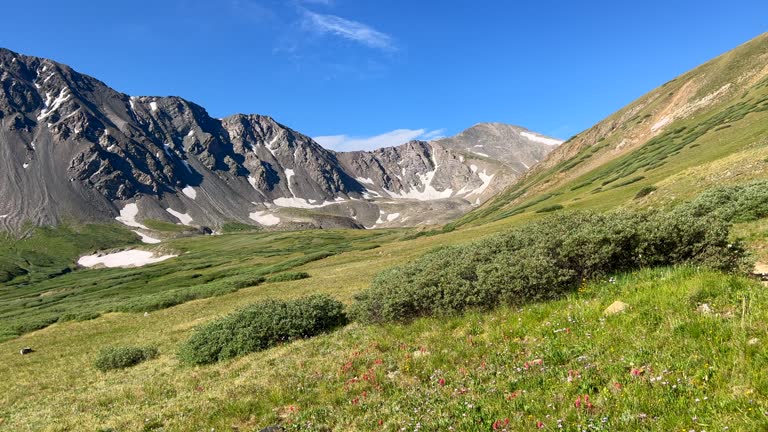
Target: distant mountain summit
71, 148
516, 147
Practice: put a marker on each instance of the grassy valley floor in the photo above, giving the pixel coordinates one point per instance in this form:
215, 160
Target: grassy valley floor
660, 365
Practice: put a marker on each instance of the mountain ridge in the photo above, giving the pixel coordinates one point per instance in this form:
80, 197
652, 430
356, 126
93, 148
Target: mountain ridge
637, 145
78, 148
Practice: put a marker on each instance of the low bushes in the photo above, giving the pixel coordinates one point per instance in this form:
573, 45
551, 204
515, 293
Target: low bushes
79, 316
550, 209
261, 326
288, 276
247, 281
123, 357
645, 191
737, 203
544, 259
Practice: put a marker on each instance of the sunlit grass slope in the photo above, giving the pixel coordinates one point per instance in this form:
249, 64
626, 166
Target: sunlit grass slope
661, 365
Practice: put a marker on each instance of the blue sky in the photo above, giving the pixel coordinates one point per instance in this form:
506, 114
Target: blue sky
364, 74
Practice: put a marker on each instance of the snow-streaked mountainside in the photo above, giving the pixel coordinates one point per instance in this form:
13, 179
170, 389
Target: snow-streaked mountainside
71, 148
516, 147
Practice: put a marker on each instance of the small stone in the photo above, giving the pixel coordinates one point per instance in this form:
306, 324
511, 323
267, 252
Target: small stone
615, 308
146, 314
753, 341
704, 309
760, 268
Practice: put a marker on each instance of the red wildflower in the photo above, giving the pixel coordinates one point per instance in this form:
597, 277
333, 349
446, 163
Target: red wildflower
441, 382
500, 424
573, 374
539, 425
583, 400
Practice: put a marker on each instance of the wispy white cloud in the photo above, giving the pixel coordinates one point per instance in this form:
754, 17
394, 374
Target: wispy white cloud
433, 135
388, 139
347, 29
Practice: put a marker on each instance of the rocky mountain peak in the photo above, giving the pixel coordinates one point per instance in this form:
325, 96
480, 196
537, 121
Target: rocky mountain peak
71, 147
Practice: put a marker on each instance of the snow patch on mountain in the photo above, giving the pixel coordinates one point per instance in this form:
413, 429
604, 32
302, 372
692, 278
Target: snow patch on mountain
52, 106
129, 258
184, 218
128, 216
190, 192
365, 180
146, 239
544, 140
486, 182
264, 218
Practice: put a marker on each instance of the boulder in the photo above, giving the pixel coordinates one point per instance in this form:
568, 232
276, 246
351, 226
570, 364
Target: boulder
615, 308
704, 309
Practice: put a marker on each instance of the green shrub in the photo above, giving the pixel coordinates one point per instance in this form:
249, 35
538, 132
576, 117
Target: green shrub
81, 316
248, 282
124, 357
645, 191
237, 227
9, 270
544, 259
737, 203
261, 326
35, 323
549, 209
288, 276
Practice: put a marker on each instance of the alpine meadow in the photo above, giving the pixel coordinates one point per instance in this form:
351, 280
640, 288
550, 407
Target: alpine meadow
164, 269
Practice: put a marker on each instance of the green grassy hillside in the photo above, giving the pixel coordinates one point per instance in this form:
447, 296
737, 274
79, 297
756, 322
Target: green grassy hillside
691, 370
710, 124
205, 267
666, 363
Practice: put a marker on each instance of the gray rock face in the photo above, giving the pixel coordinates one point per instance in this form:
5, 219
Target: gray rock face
73, 148
516, 147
